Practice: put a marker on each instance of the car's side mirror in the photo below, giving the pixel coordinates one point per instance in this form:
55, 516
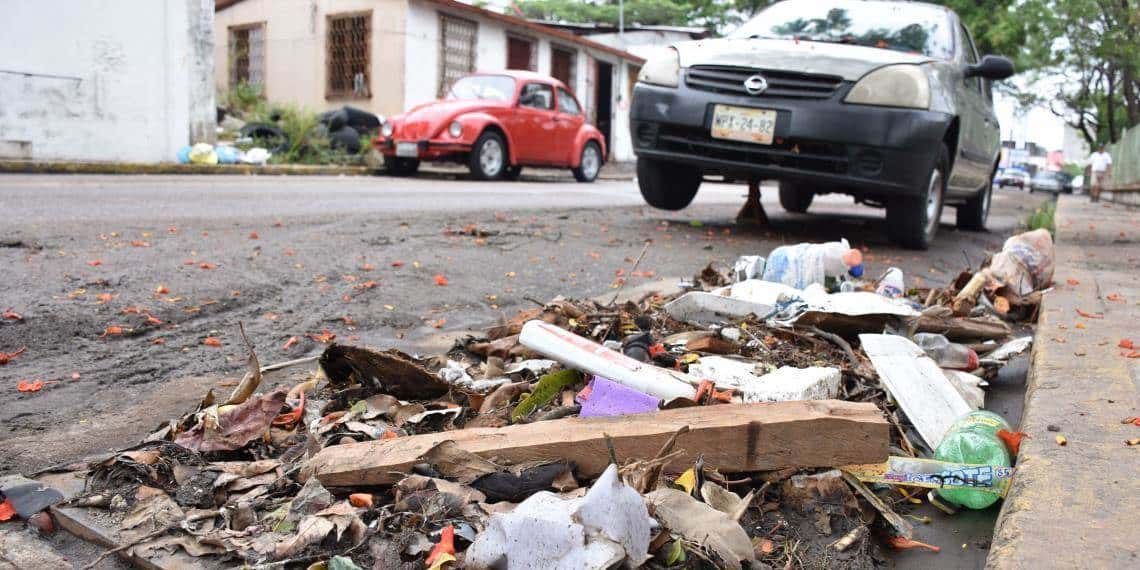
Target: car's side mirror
992, 67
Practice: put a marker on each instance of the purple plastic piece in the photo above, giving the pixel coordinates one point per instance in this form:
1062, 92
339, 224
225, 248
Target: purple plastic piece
608, 398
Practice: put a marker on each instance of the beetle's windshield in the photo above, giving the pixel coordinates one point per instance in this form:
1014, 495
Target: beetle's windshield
898, 26
491, 87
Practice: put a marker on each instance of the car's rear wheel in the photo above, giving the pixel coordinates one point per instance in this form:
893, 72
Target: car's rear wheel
972, 215
666, 185
397, 166
912, 222
589, 164
488, 157
795, 197
512, 173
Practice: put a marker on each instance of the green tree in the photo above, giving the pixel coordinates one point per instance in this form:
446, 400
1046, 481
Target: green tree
716, 15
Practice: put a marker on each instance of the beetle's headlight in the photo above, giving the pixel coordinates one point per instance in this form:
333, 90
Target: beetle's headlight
455, 129
893, 86
664, 69
387, 129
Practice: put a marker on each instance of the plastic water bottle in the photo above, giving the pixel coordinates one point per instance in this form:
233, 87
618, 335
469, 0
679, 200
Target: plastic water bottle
973, 439
892, 284
806, 263
947, 354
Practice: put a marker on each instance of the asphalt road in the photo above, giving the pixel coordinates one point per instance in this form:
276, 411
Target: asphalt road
88, 260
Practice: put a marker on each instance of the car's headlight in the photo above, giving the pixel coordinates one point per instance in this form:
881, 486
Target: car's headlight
387, 129
455, 129
893, 86
664, 69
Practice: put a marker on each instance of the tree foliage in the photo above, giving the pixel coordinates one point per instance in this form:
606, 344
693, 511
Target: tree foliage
714, 15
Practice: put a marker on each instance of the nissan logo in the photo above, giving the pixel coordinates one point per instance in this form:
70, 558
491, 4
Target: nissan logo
755, 85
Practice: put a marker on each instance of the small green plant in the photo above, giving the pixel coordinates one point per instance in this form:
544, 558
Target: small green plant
244, 97
1042, 217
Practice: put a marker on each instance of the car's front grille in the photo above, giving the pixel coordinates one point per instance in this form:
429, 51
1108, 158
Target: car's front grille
815, 156
725, 79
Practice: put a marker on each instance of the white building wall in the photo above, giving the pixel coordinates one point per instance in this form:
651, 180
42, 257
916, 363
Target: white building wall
422, 65
105, 80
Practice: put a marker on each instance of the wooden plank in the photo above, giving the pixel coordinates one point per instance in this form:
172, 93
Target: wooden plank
732, 438
917, 384
963, 329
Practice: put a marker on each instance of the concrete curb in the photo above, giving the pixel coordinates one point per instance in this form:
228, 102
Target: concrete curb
1074, 506
48, 167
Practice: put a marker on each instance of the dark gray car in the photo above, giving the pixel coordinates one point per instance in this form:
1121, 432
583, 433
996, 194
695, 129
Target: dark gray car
886, 101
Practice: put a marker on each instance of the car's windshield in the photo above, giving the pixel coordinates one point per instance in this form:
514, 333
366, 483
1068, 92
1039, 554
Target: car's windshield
490, 87
1048, 177
896, 26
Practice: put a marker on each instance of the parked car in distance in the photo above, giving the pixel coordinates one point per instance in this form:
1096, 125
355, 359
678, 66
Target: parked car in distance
1014, 177
886, 101
1050, 181
496, 123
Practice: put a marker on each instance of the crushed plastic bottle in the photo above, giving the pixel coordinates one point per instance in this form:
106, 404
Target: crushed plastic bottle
892, 284
947, 354
806, 263
973, 439
748, 267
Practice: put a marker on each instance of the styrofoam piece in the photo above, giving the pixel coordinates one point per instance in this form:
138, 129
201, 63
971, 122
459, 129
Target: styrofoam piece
786, 384
608, 398
969, 386
608, 525
853, 304
923, 392
704, 308
589, 356
1003, 353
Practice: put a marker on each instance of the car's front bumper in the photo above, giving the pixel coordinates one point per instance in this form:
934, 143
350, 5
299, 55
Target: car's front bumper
871, 151
429, 150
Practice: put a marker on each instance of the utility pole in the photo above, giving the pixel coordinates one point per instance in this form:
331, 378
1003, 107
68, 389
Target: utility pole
621, 19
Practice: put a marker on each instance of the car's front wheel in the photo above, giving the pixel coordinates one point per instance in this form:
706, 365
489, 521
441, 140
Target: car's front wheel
795, 197
972, 215
400, 166
912, 222
488, 157
589, 163
666, 185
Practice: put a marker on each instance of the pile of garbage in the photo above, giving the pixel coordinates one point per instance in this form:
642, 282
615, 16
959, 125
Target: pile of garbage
713, 427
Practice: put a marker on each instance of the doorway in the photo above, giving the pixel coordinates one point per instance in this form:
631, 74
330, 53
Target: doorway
604, 95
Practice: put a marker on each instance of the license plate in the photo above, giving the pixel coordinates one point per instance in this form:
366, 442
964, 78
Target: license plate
407, 149
743, 124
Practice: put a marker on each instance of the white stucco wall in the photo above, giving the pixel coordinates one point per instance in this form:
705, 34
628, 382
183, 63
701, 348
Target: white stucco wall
127, 86
295, 46
422, 65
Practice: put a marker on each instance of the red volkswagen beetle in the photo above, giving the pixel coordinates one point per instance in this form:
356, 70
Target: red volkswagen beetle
496, 123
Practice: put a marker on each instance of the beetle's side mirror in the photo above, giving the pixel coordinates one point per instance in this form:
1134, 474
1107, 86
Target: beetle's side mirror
992, 67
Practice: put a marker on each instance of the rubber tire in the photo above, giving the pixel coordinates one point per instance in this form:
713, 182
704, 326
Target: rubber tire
473, 163
795, 198
345, 138
579, 174
667, 186
396, 166
972, 215
512, 173
906, 216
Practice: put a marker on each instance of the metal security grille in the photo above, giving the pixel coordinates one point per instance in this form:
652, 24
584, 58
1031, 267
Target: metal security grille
247, 55
456, 50
349, 56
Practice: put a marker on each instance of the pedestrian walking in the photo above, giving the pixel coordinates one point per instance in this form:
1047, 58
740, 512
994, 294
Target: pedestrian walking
1101, 164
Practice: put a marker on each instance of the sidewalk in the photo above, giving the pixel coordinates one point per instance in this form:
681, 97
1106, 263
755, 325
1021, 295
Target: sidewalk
1075, 506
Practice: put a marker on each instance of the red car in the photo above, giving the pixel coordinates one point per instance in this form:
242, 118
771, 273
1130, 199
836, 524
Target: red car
496, 123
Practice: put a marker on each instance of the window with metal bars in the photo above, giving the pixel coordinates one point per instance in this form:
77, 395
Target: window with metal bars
456, 50
349, 56
247, 55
